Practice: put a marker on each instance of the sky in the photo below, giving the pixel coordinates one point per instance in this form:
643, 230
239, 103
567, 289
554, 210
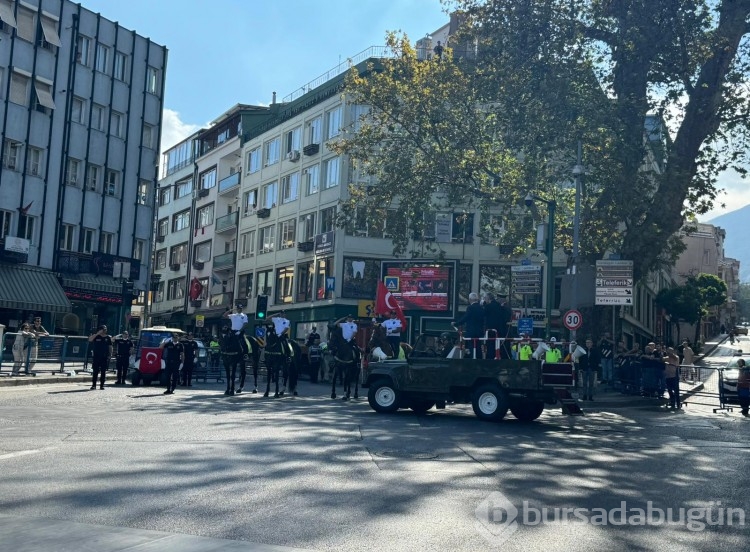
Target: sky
225, 52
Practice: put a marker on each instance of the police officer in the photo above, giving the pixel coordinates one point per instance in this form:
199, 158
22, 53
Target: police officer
175, 354
101, 346
312, 337
123, 346
190, 350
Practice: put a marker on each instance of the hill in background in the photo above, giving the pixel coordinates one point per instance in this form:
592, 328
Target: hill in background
737, 244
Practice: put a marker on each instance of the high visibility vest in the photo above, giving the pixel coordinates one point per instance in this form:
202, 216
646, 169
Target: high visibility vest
525, 352
553, 355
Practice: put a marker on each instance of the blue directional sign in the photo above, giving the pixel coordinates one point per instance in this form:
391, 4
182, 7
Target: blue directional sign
260, 331
525, 326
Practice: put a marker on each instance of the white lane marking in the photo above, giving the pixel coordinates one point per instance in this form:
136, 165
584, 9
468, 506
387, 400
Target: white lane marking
18, 453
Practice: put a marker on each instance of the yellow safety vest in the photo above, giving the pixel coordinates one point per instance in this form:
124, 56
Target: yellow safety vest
525, 352
553, 355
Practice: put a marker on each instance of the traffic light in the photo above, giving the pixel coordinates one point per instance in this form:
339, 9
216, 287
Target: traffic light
127, 288
261, 307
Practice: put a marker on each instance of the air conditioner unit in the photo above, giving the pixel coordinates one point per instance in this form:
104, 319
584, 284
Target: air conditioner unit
197, 265
264, 213
311, 149
175, 267
293, 155
202, 193
160, 239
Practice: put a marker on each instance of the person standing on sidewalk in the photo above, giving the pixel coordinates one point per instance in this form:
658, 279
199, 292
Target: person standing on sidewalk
688, 359
123, 349
743, 386
607, 353
588, 365
101, 347
190, 352
38, 331
175, 356
671, 377
23, 341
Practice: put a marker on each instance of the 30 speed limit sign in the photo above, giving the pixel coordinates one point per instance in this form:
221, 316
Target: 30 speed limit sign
572, 320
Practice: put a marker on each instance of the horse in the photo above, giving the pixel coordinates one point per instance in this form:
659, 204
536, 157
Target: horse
379, 340
346, 357
277, 358
252, 351
232, 352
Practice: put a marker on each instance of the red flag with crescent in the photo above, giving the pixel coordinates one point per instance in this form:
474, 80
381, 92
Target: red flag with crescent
150, 362
195, 289
385, 302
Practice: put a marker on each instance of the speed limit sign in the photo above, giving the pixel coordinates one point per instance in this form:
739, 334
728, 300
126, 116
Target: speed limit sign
572, 320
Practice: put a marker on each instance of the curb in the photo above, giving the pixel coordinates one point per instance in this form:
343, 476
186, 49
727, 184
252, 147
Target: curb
15, 381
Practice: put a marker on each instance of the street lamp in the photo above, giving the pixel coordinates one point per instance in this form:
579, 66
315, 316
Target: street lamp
551, 206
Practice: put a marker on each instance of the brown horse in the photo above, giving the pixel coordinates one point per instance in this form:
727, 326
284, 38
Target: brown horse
379, 339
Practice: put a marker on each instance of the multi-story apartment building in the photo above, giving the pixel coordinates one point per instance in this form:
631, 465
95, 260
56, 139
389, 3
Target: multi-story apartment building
82, 102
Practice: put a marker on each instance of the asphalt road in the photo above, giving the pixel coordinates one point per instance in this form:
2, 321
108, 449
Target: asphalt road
101, 469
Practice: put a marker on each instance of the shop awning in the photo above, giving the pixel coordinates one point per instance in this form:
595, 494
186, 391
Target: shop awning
29, 288
104, 284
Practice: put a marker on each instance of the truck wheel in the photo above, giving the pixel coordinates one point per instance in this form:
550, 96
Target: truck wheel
527, 411
135, 379
421, 407
383, 397
489, 402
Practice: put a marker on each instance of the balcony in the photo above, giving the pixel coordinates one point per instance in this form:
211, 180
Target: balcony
220, 300
226, 223
225, 261
230, 183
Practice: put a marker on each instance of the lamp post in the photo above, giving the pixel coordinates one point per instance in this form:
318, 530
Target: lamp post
551, 207
577, 172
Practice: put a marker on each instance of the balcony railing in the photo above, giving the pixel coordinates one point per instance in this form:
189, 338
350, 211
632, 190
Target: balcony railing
221, 300
229, 183
227, 222
224, 261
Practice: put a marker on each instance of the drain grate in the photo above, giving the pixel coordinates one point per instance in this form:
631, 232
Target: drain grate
405, 454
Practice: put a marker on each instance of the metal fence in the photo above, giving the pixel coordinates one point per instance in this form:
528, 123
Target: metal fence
53, 354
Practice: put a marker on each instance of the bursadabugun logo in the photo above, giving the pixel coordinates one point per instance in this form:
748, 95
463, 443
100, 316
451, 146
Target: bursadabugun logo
496, 518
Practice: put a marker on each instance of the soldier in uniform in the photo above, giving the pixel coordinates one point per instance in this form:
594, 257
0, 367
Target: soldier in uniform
190, 350
101, 346
123, 346
175, 355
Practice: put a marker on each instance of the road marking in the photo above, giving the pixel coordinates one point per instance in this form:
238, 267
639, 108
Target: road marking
18, 453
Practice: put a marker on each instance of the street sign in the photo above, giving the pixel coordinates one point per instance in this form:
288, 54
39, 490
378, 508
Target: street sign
573, 319
391, 283
526, 279
199, 320
614, 282
525, 326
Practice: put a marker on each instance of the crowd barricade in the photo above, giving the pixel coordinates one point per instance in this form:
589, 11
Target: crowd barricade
51, 353
716, 389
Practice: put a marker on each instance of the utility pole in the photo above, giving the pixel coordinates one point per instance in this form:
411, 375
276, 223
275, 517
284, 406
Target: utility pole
577, 172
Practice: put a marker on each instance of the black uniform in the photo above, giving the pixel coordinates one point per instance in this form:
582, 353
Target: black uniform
100, 346
190, 346
496, 318
173, 351
123, 348
311, 338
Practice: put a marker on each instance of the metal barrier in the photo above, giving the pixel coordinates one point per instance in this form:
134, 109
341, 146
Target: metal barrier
717, 391
52, 353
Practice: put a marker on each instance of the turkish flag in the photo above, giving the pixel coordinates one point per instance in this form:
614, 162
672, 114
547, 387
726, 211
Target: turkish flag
385, 302
150, 362
195, 289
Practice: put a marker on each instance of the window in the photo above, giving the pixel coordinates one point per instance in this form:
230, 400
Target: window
92, 178
181, 220
77, 109
138, 248
165, 195
313, 131
67, 237
208, 179
287, 234
305, 273
290, 188
183, 188
325, 270
48, 37
265, 282
111, 182
148, 136
284, 284
83, 50
204, 216
249, 202
266, 239
98, 117
245, 286
106, 240
253, 161
159, 293
176, 289
117, 124
88, 240
26, 24
292, 140
307, 227
19, 89
26, 227
143, 192
72, 175
5, 218
271, 152
312, 178
178, 254
462, 229
121, 61
333, 123
359, 112
152, 80
43, 99
163, 227
11, 154
202, 252
247, 244
331, 173
161, 258
270, 191
327, 219
102, 58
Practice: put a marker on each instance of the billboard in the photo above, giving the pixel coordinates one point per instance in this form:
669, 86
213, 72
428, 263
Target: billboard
425, 288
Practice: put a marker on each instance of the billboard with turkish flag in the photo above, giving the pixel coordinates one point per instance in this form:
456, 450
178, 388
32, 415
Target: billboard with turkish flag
423, 287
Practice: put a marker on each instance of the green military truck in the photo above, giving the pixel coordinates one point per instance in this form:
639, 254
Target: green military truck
492, 387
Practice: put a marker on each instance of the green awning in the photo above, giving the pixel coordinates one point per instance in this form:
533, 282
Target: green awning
104, 284
29, 288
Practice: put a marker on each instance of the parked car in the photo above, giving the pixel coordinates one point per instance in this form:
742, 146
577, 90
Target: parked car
740, 330
729, 377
